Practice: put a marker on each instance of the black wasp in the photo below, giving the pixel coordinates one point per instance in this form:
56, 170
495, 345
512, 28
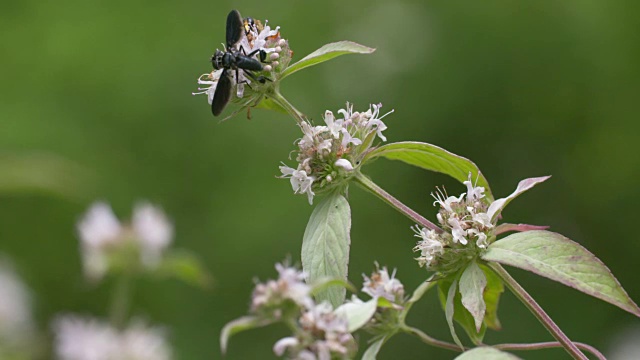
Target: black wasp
234, 59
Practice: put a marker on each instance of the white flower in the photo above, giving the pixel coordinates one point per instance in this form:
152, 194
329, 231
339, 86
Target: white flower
289, 286
382, 285
84, 339
98, 229
211, 79
457, 231
446, 202
344, 164
474, 193
153, 230
300, 181
78, 338
139, 342
430, 246
281, 345
334, 126
16, 323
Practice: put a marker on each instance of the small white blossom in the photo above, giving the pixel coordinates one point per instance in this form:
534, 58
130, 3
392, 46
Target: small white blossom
344, 164
444, 201
324, 336
102, 235
300, 181
474, 193
78, 338
380, 284
459, 234
154, 232
289, 286
430, 247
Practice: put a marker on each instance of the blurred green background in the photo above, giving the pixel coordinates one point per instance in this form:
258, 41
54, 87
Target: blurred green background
95, 104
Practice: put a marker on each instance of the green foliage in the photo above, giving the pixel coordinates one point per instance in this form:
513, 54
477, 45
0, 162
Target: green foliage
472, 285
555, 257
325, 246
358, 314
326, 53
239, 325
451, 300
432, 158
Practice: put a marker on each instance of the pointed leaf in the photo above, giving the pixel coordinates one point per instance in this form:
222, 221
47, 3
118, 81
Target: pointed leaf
357, 314
432, 158
486, 353
554, 256
472, 285
496, 207
238, 325
325, 246
325, 53
492, 294
506, 227
449, 311
460, 314
269, 104
372, 351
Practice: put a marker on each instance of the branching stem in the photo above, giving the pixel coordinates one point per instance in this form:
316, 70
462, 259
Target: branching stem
370, 186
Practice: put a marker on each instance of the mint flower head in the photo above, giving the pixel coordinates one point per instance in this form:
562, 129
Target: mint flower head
328, 155
468, 227
266, 46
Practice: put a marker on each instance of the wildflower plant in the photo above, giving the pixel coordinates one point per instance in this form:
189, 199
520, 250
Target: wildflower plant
462, 251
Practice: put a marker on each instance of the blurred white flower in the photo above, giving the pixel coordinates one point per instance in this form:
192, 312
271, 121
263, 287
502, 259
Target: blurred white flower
78, 338
430, 246
102, 236
154, 232
289, 286
380, 284
16, 323
324, 336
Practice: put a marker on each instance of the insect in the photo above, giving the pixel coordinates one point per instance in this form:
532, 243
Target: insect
234, 59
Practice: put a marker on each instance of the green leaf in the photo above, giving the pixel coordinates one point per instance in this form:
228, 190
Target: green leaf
325, 246
268, 104
184, 266
492, 294
372, 351
432, 158
486, 353
325, 53
496, 207
357, 314
449, 311
238, 325
460, 314
43, 173
472, 285
554, 256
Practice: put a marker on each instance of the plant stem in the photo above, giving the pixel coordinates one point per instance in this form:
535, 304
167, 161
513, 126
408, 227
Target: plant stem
120, 300
538, 312
282, 101
548, 345
370, 186
429, 340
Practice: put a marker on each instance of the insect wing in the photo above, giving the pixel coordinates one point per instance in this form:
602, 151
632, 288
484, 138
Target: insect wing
222, 95
248, 63
234, 28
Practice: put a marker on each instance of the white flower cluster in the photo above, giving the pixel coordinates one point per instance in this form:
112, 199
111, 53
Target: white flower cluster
320, 334
255, 36
101, 235
465, 220
324, 335
380, 284
329, 153
289, 286
79, 338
